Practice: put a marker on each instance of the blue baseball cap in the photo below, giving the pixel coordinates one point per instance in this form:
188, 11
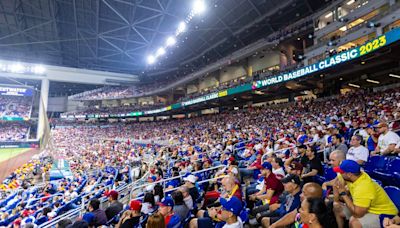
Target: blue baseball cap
166, 202
267, 165
370, 126
348, 166
232, 204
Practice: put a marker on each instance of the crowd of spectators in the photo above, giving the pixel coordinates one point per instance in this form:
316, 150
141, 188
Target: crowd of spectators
109, 93
278, 166
15, 106
13, 131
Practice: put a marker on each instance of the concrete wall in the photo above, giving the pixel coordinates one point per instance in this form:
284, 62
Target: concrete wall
112, 103
146, 100
74, 105
232, 72
208, 81
57, 104
258, 62
191, 89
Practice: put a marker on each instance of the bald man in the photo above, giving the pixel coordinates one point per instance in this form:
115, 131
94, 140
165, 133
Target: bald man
310, 190
335, 158
207, 218
231, 187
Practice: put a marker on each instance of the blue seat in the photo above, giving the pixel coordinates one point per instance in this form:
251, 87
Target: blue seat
12, 218
396, 178
375, 163
387, 175
41, 220
113, 220
189, 216
256, 173
394, 195
143, 221
378, 182
244, 215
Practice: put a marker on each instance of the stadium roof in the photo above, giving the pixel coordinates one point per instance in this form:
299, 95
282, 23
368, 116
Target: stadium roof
118, 35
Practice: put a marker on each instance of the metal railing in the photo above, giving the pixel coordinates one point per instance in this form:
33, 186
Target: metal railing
164, 181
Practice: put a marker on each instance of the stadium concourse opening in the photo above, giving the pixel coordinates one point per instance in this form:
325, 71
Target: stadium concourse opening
200, 113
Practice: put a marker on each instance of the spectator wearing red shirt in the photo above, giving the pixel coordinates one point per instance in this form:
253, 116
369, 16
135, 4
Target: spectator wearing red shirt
271, 191
166, 209
249, 171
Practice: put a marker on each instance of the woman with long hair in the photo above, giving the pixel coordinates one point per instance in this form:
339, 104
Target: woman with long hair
156, 221
315, 214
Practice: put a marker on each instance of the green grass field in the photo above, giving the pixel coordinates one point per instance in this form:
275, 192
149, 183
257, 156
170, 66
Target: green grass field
7, 153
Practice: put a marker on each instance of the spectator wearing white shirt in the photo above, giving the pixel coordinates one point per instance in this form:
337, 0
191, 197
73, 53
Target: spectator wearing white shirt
277, 168
357, 152
387, 141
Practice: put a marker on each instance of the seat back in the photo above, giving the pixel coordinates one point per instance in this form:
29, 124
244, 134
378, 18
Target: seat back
394, 195
377, 181
376, 162
41, 220
394, 166
244, 215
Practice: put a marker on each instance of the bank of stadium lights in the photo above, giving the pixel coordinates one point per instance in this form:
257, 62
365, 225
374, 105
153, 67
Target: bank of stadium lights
39, 69
199, 7
151, 59
394, 76
19, 68
372, 81
160, 52
354, 85
181, 28
170, 41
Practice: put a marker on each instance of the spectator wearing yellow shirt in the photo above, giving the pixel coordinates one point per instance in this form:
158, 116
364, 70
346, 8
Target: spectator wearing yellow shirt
363, 201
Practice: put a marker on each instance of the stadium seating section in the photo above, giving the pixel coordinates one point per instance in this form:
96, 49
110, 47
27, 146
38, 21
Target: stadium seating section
207, 158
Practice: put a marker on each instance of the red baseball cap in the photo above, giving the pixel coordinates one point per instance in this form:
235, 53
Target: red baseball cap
135, 205
113, 194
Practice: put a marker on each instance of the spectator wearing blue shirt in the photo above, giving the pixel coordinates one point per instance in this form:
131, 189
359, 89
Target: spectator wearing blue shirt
372, 139
292, 201
166, 209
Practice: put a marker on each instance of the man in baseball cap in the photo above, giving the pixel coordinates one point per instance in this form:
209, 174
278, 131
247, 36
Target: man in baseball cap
230, 211
115, 206
387, 141
270, 192
291, 202
166, 209
131, 217
364, 201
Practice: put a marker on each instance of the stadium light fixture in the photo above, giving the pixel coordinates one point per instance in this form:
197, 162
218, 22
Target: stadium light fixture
181, 28
372, 81
328, 15
151, 59
350, 2
354, 85
160, 52
17, 68
170, 41
38, 69
394, 76
199, 7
